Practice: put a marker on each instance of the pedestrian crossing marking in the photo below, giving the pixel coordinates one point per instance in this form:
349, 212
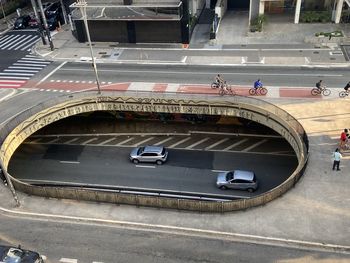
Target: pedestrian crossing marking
17, 75
18, 42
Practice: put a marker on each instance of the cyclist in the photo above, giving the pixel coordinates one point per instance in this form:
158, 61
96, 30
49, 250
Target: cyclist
219, 80
258, 84
347, 86
320, 86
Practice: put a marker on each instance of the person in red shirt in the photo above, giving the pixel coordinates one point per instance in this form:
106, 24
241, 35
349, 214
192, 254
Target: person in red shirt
343, 138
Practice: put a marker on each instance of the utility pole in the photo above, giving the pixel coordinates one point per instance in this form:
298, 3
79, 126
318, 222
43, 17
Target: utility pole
41, 31
3, 13
82, 6
48, 34
64, 11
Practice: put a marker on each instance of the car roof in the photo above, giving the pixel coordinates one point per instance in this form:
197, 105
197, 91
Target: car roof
243, 175
153, 149
18, 254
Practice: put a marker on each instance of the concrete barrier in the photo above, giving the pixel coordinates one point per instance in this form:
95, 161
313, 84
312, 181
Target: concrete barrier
32, 119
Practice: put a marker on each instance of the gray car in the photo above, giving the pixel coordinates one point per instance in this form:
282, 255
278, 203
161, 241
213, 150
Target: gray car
237, 179
149, 154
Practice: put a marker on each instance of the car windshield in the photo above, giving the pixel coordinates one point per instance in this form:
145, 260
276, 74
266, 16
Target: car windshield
229, 176
141, 149
20, 20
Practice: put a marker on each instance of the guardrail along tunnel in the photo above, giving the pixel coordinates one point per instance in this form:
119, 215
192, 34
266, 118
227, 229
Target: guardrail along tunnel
78, 146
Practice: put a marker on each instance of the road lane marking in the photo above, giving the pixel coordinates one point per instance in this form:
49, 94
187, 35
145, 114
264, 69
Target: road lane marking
71, 140
145, 166
235, 144
179, 142
108, 140
68, 260
197, 143
50, 74
216, 144
163, 141
254, 145
142, 142
53, 141
219, 171
88, 141
125, 141
70, 162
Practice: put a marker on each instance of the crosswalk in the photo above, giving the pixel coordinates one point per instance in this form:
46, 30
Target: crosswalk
17, 75
22, 42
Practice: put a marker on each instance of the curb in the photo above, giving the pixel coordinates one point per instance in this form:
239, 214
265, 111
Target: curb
236, 237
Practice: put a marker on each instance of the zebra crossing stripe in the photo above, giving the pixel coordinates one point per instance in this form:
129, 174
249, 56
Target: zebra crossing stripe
29, 44
35, 62
12, 81
20, 70
11, 77
18, 43
31, 39
16, 67
33, 58
28, 65
8, 41
19, 74
3, 38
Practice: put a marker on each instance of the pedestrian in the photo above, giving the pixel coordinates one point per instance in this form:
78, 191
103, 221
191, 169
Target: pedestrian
347, 86
336, 159
343, 139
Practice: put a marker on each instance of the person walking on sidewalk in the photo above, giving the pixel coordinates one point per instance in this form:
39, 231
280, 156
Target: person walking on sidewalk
343, 139
336, 159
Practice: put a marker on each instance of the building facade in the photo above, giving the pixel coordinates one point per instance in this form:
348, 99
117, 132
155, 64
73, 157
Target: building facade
172, 21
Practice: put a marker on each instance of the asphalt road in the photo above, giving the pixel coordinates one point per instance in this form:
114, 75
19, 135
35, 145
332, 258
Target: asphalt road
186, 170
77, 242
270, 76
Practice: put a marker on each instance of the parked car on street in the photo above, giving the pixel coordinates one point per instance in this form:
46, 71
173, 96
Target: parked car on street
151, 154
52, 21
10, 254
22, 22
237, 179
53, 9
33, 22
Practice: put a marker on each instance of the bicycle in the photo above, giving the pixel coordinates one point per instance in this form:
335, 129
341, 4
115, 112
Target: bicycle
258, 91
227, 90
324, 91
215, 85
344, 93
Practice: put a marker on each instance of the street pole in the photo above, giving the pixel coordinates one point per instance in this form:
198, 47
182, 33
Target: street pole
64, 11
48, 34
3, 13
9, 182
82, 6
41, 31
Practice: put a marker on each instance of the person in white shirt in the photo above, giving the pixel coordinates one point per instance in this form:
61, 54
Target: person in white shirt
336, 159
